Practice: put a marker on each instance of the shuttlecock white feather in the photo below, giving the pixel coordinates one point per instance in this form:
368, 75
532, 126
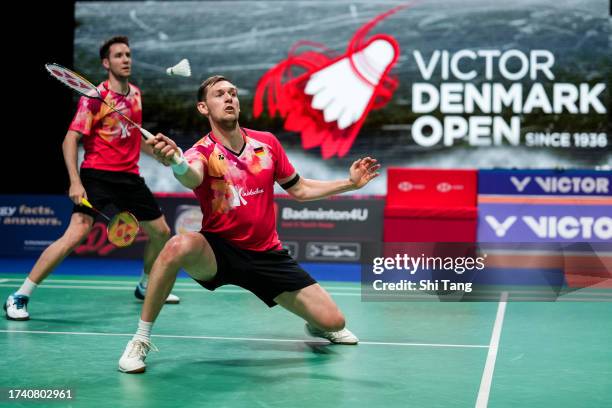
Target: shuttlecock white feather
181, 69
340, 93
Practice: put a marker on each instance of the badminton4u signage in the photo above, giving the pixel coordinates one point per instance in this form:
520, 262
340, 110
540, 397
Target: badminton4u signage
339, 230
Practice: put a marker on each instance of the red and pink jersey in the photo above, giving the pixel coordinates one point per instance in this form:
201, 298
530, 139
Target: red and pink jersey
237, 194
110, 142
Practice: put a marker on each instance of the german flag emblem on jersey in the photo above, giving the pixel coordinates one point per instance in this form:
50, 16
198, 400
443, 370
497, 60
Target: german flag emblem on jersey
259, 151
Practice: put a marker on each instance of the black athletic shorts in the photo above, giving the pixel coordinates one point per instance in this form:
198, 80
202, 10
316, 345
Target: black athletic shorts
124, 191
266, 274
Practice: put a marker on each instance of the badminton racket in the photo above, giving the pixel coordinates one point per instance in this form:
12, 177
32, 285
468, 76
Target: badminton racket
121, 229
81, 85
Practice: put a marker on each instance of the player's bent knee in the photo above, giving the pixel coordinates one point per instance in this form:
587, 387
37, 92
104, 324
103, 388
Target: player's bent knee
75, 235
177, 249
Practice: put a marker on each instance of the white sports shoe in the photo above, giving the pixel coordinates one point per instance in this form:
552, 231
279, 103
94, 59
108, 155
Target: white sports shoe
16, 307
140, 293
133, 359
343, 336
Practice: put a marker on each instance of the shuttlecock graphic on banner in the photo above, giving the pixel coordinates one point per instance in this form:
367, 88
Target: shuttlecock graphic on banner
181, 69
330, 98
329, 85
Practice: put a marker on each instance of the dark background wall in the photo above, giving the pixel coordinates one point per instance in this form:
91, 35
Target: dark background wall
36, 111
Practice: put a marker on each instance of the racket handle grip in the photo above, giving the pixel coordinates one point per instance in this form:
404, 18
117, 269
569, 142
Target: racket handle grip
86, 203
146, 134
176, 159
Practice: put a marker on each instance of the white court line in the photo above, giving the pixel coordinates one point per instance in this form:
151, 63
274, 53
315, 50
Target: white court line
97, 281
487, 376
379, 343
131, 288
310, 340
133, 283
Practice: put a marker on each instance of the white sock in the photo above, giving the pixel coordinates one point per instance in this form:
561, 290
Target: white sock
27, 288
144, 331
144, 280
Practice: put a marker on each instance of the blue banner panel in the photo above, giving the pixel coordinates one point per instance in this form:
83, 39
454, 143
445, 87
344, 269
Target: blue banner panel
544, 223
30, 223
545, 182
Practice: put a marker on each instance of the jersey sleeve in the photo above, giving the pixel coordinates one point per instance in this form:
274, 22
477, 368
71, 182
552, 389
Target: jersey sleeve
283, 167
83, 119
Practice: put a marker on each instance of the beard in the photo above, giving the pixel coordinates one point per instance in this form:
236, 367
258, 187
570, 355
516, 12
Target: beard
228, 124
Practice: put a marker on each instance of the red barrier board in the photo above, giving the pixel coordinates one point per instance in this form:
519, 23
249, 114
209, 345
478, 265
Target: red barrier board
440, 188
431, 205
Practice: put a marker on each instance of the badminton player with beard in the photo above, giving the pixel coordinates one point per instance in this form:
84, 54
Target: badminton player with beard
232, 171
108, 175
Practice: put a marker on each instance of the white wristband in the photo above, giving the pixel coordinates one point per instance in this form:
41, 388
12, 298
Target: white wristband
181, 167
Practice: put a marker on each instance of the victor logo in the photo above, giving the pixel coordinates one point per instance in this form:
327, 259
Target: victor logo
552, 227
570, 227
520, 184
565, 185
500, 228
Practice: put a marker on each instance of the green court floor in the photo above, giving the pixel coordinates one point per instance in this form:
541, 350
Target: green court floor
227, 349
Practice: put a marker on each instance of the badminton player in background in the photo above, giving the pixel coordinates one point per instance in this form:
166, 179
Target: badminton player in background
108, 175
232, 171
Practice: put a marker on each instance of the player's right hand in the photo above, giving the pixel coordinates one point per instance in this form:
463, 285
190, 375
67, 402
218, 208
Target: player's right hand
164, 148
77, 193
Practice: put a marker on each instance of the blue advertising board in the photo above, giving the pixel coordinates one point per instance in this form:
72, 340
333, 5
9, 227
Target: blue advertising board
544, 223
545, 182
30, 223
544, 206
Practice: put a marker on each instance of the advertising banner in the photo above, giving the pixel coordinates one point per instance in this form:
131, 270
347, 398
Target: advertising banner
545, 183
28, 224
445, 83
182, 213
544, 206
544, 223
337, 230
333, 230
431, 188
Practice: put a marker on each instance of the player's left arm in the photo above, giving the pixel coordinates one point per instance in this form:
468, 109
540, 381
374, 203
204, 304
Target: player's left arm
361, 172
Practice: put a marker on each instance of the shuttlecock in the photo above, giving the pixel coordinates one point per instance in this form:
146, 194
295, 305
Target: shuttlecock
181, 69
343, 92
329, 102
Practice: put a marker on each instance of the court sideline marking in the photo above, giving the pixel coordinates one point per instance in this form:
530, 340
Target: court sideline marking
331, 291
308, 340
187, 282
487, 375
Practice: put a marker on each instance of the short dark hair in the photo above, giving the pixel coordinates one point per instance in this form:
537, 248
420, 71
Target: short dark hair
208, 82
105, 48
